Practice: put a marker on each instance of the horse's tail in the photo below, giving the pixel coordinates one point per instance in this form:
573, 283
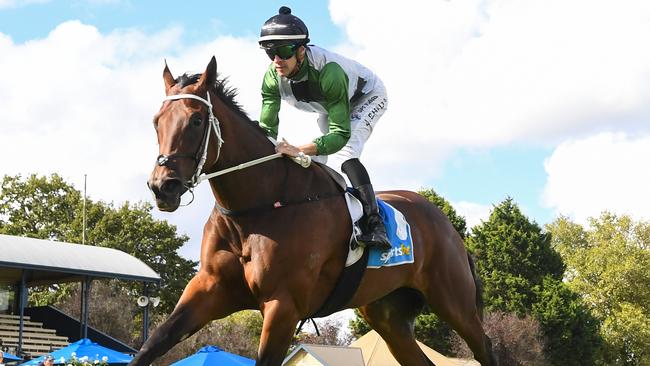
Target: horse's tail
478, 284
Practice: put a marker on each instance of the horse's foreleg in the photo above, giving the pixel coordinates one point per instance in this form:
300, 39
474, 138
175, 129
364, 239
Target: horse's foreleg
280, 320
203, 299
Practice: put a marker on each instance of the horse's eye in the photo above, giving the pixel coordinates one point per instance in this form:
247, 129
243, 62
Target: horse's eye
196, 119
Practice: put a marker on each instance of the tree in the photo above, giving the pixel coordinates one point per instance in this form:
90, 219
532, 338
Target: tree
238, 333
132, 229
358, 326
457, 221
513, 256
570, 328
522, 274
330, 334
38, 207
515, 340
110, 309
50, 208
608, 265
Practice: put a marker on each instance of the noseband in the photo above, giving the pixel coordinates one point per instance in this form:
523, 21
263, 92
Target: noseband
213, 124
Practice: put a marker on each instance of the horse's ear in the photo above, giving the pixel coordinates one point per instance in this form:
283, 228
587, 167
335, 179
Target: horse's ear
209, 77
169, 79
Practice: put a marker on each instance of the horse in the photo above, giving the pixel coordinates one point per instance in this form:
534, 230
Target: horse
279, 233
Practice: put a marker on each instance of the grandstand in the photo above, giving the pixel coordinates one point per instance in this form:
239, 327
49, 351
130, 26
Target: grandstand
28, 262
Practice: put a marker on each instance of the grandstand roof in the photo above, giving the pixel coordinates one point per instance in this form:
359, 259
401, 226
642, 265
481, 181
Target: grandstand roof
50, 262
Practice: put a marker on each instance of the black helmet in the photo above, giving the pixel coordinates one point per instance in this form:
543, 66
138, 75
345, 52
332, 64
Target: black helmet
283, 29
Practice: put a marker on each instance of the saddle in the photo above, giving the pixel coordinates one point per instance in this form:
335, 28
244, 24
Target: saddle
359, 257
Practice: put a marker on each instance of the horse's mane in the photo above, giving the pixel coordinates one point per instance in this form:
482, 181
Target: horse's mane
227, 93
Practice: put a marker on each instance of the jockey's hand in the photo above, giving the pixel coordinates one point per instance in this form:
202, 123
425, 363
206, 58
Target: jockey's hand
287, 149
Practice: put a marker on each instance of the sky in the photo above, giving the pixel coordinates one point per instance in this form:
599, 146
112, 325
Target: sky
547, 102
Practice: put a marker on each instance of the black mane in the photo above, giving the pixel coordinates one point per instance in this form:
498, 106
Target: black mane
221, 88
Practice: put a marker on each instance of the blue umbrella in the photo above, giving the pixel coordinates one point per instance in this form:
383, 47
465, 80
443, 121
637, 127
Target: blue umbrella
10, 357
85, 348
211, 355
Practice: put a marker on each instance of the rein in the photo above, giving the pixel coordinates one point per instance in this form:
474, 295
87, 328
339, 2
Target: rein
198, 177
213, 123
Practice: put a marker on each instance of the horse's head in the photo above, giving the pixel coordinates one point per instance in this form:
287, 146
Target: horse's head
183, 126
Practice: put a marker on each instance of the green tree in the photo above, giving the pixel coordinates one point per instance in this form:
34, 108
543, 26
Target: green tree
457, 221
523, 274
358, 326
608, 265
50, 208
568, 325
132, 229
238, 333
38, 207
513, 256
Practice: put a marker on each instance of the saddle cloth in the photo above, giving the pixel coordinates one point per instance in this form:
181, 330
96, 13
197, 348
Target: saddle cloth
397, 230
358, 259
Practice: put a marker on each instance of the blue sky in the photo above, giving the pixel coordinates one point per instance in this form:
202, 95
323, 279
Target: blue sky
488, 98
203, 20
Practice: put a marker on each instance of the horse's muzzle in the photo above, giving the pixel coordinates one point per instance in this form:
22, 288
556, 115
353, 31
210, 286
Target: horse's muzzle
168, 192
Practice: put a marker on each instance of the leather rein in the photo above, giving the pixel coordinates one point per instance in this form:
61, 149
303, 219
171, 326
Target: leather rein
198, 177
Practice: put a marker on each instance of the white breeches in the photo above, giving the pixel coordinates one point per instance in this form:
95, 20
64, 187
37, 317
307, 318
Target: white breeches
364, 116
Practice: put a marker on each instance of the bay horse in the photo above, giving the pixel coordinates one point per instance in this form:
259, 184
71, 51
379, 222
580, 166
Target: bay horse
278, 236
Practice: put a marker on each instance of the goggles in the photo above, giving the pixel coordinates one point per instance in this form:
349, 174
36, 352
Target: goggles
284, 52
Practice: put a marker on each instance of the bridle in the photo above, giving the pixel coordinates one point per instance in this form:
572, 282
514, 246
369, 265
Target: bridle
198, 177
213, 124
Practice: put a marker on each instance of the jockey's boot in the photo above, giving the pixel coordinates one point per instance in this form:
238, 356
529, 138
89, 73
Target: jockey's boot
374, 232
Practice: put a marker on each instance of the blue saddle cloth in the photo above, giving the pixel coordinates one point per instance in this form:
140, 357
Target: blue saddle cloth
399, 235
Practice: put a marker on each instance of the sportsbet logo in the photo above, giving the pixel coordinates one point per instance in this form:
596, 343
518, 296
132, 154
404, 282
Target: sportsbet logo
402, 250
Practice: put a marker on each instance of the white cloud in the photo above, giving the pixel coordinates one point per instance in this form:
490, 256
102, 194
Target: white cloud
474, 213
81, 102
602, 172
482, 73
459, 74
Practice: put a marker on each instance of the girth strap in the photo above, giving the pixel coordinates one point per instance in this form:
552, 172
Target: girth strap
274, 205
346, 286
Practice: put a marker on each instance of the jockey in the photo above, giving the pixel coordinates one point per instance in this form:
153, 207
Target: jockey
348, 97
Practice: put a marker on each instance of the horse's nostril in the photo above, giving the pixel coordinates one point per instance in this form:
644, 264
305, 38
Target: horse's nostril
171, 186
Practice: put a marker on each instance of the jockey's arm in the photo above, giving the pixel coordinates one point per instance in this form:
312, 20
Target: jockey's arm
269, 120
334, 87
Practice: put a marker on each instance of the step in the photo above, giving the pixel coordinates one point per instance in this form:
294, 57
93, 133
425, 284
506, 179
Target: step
14, 328
30, 335
14, 339
10, 316
17, 322
37, 351
39, 342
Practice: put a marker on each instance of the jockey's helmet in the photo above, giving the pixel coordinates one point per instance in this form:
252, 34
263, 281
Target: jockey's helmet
283, 29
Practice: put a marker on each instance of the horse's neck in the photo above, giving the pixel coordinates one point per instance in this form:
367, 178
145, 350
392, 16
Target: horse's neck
243, 143
262, 184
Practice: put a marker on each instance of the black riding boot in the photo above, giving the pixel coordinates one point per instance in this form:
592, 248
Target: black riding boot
374, 232
372, 226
